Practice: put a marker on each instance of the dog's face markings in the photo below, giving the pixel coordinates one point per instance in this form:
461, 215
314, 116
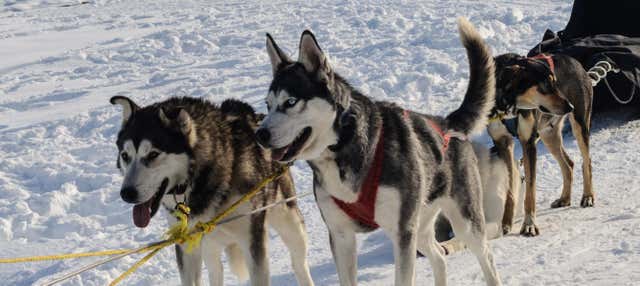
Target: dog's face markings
299, 128
153, 155
146, 169
301, 111
536, 88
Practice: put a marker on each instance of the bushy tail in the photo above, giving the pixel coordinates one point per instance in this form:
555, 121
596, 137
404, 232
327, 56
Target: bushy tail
472, 115
236, 262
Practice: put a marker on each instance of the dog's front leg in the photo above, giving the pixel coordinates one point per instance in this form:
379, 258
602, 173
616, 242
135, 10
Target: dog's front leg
190, 265
526, 133
212, 254
255, 251
505, 150
343, 247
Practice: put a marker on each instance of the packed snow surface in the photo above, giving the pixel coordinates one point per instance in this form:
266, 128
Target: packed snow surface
60, 62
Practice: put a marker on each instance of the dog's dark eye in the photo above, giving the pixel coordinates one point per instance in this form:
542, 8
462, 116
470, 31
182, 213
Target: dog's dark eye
290, 102
125, 157
546, 88
152, 156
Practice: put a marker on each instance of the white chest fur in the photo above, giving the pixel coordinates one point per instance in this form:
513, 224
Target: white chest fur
327, 175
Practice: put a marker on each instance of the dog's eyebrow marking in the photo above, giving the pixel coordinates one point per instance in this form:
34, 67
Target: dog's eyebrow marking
270, 98
144, 148
129, 148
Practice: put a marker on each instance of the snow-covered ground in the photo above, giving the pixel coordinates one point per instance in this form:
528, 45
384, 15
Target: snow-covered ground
61, 61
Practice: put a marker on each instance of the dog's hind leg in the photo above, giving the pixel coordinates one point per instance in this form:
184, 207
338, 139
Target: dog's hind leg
428, 246
527, 125
580, 128
551, 135
190, 265
472, 234
288, 222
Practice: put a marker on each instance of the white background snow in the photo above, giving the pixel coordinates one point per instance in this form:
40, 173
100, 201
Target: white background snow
59, 187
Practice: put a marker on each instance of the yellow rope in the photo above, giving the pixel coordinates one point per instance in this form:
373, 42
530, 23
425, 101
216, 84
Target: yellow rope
134, 267
178, 233
497, 117
63, 256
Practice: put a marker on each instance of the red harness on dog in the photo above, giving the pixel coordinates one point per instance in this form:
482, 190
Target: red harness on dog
363, 209
547, 58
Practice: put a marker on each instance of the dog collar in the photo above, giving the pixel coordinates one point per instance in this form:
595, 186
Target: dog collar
549, 61
179, 189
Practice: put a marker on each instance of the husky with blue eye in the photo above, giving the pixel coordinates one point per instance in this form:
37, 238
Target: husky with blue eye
193, 151
378, 165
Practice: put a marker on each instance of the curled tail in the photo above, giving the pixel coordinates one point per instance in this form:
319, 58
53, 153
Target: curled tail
472, 115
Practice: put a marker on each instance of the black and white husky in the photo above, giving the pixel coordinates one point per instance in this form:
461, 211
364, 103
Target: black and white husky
189, 150
375, 164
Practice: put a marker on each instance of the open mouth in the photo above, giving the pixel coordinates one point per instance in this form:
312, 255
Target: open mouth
544, 109
285, 153
143, 212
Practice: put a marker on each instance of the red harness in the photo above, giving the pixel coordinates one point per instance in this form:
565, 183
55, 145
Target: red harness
363, 209
547, 58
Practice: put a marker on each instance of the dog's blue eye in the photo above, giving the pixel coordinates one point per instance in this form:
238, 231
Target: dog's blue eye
291, 102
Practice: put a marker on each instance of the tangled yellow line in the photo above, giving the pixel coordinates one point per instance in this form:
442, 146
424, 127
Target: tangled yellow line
178, 233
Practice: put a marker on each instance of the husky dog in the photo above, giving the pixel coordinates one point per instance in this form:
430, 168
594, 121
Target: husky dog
377, 165
540, 92
192, 151
501, 190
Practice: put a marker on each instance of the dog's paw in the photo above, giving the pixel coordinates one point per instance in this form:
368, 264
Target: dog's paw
559, 203
529, 230
529, 227
506, 229
587, 201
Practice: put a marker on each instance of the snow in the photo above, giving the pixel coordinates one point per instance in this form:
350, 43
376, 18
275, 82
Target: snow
58, 180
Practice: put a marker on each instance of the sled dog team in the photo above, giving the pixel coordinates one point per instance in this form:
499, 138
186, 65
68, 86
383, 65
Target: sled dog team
375, 164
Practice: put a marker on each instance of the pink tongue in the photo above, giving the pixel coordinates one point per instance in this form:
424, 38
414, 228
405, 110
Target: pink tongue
277, 154
141, 215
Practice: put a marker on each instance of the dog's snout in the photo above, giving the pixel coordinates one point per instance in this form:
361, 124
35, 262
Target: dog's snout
263, 136
129, 194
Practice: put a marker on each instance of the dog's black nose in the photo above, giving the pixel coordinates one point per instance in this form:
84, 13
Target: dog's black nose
568, 108
129, 194
263, 136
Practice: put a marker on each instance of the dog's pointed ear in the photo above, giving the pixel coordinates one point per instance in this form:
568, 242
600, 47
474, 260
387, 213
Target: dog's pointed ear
310, 55
276, 55
179, 120
128, 107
